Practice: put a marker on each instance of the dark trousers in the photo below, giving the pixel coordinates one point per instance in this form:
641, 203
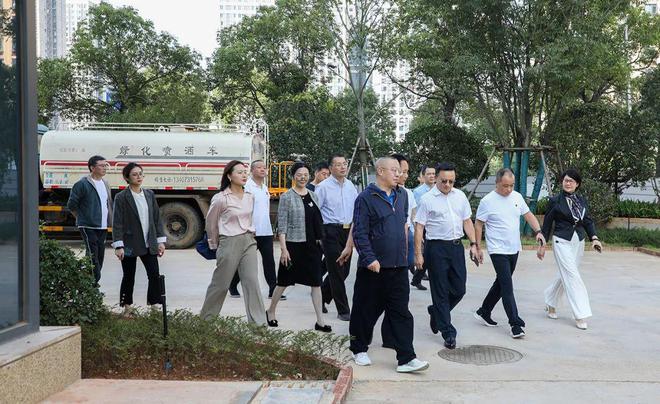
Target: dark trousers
387, 291
418, 274
94, 240
504, 265
128, 265
447, 277
265, 247
333, 287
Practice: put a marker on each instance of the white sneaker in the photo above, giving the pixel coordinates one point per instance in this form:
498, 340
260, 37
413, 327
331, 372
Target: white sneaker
551, 312
581, 324
414, 365
362, 359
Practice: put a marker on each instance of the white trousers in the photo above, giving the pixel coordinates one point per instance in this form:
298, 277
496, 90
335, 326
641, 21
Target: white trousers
568, 255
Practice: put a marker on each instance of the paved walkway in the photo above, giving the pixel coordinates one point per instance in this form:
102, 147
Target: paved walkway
616, 360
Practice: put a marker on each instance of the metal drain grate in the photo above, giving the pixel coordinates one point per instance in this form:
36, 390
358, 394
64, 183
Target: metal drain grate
481, 355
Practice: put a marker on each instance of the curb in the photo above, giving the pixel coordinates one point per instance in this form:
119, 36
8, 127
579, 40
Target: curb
648, 251
343, 385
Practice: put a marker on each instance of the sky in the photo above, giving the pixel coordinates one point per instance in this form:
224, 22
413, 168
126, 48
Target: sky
193, 22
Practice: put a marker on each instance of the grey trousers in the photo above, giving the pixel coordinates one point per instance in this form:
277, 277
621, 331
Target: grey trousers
235, 253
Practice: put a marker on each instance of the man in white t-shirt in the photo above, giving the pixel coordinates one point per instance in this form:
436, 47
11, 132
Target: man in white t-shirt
256, 185
500, 212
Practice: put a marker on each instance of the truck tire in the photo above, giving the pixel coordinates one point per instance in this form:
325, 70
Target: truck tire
182, 224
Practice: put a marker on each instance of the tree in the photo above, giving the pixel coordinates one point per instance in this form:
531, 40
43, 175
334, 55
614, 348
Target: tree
432, 143
526, 60
270, 55
359, 39
605, 143
119, 53
649, 111
313, 125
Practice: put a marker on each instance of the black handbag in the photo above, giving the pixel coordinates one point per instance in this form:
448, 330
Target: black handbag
202, 247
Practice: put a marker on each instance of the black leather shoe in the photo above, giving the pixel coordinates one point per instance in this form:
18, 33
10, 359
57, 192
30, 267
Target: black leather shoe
434, 325
271, 323
325, 328
450, 343
419, 286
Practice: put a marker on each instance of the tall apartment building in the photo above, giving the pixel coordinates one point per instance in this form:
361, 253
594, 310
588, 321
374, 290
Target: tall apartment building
233, 11
57, 21
332, 73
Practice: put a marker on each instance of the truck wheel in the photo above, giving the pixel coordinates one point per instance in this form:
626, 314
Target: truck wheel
182, 224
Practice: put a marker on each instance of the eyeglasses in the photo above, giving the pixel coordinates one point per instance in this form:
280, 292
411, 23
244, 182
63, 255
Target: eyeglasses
450, 182
393, 170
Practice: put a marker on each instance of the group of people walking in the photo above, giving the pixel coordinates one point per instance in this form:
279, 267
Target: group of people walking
394, 230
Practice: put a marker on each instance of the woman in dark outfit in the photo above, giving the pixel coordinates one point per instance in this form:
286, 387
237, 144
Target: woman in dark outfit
137, 232
569, 214
299, 227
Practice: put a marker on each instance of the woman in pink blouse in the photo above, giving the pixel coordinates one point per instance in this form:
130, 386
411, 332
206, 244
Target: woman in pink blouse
229, 229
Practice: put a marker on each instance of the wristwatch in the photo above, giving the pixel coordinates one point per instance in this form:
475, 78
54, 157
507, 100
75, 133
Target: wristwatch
536, 231
473, 243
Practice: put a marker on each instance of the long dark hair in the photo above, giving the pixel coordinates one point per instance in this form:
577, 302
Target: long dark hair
224, 182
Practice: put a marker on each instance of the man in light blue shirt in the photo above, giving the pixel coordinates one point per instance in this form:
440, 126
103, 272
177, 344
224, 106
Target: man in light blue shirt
337, 196
428, 175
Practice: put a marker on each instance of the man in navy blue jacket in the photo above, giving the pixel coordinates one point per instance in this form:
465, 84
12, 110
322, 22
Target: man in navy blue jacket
381, 283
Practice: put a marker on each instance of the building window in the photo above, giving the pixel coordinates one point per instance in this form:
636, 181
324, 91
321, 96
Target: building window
651, 8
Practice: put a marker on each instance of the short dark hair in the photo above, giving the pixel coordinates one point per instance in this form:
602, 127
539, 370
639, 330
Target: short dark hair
502, 172
399, 157
93, 160
334, 156
573, 173
126, 171
297, 166
323, 165
445, 166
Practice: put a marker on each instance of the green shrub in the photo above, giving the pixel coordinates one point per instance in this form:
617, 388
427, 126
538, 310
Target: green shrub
67, 291
632, 237
225, 348
650, 210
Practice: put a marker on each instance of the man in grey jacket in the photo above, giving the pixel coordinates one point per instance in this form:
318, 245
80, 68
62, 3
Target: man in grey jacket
90, 201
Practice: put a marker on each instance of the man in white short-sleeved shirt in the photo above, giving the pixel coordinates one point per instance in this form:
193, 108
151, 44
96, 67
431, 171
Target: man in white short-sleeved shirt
500, 212
445, 213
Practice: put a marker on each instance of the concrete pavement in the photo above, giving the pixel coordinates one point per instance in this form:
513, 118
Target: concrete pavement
616, 360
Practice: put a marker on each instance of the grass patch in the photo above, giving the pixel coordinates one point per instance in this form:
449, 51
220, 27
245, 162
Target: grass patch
223, 349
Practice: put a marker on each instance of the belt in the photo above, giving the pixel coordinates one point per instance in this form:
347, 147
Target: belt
344, 226
447, 242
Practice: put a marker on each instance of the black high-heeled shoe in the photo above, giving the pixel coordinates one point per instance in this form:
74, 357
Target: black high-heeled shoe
271, 323
325, 328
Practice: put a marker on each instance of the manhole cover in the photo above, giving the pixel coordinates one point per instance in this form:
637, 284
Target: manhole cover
481, 355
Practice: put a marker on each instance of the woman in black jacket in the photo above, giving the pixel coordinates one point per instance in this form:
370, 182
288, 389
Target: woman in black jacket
569, 213
137, 232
